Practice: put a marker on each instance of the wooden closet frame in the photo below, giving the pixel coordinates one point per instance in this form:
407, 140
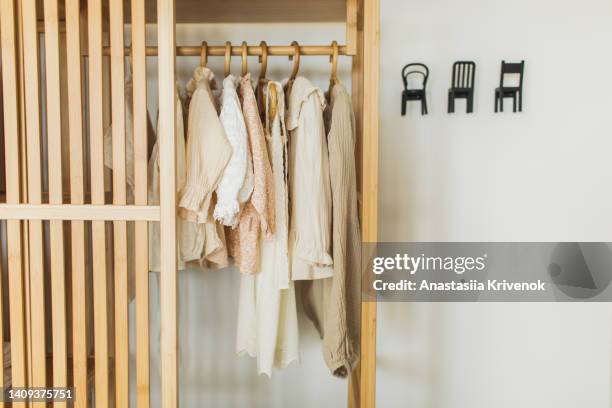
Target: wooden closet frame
26, 208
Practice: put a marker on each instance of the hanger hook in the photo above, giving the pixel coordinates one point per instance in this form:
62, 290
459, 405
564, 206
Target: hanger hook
245, 53
263, 59
333, 58
204, 54
228, 58
296, 59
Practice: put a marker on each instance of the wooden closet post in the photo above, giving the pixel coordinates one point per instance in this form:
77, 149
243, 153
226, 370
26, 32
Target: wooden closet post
167, 154
366, 96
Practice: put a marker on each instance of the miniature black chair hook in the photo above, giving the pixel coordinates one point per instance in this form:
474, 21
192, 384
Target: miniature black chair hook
513, 92
415, 94
462, 85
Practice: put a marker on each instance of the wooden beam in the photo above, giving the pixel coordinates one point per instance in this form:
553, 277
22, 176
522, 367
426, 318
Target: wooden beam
98, 233
371, 58
34, 169
166, 38
56, 238
82, 212
141, 245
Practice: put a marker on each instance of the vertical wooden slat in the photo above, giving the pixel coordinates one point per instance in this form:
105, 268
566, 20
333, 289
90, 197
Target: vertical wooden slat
94, 11
352, 8
119, 197
77, 190
54, 139
371, 56
33, 140
1, 322
141, 246
12, 134
167, 134
357, 97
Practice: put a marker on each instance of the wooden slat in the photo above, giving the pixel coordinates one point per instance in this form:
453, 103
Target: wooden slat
10, 95
36, 250
357, 95
100, 281
77, 190
141, 245
167, 148
119, 198
85, 212
54, 139
1, 320
352, 13
371, 56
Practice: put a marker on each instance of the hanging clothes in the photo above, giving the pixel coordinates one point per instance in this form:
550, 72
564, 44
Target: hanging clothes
208, 152
186, 231
235, 187
267, 317
257, 218
310, 192
333, 304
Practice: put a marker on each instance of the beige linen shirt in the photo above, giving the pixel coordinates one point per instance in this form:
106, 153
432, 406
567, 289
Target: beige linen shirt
310, 193
334, 303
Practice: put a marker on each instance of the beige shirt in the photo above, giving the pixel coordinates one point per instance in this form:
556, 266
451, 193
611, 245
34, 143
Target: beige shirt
334, 304
208, 152
310, 193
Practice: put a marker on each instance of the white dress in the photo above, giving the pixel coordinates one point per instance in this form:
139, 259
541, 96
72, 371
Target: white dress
230, 192
267, 317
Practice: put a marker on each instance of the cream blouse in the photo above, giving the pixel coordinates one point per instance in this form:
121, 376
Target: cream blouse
208, 150
234, 175
310, 191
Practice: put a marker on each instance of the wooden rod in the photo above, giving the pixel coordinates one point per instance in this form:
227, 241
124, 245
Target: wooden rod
253, 50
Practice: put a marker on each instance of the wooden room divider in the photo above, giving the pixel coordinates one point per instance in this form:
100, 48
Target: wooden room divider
67, 252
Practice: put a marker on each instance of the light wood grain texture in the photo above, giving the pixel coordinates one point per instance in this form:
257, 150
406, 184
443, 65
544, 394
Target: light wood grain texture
23, 185
352, 14
77, 189
54, 138
248, 11
141, 246
357, 87
86, 212
36, 250
252, 50
98, 232
167, 148
371, 38
119, 198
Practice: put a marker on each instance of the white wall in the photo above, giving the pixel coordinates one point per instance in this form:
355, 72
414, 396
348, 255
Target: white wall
536, 176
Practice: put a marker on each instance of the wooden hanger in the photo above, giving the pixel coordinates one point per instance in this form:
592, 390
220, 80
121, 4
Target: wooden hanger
204, 54
263, 60
296, 60
334, 61
228, 58
296, 65
245, 53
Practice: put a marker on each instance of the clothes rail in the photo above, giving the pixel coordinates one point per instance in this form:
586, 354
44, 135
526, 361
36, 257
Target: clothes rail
253, 50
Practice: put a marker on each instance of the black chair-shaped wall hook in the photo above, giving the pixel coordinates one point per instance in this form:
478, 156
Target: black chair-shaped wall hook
462, 85
514, 92
417, 94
